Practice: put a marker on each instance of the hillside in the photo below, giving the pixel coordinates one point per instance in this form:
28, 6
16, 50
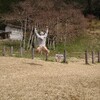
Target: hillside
66, 21
94, 33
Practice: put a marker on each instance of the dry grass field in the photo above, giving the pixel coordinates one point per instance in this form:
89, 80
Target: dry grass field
27, 79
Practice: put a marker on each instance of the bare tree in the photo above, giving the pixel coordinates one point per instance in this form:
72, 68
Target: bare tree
65, 21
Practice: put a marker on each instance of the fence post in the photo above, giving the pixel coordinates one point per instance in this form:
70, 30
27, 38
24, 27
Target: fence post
92, 57
46, 59
3, 51
32, 53
11, 50
65, 57
21, 51
53, 44
98, 56
86, 57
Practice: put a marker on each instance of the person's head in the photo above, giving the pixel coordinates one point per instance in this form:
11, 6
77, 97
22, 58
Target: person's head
42, 33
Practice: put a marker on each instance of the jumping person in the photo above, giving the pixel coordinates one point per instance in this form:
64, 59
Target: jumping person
41, 39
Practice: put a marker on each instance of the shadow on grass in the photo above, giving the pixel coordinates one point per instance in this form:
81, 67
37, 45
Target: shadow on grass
34, 64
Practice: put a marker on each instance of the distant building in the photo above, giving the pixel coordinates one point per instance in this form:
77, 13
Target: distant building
4, 35
16, 32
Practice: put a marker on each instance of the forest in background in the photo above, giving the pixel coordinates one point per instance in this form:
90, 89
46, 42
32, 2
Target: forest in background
67, 19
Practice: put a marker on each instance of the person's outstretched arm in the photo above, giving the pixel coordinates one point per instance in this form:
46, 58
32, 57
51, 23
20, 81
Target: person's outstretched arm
46, 34
36, 32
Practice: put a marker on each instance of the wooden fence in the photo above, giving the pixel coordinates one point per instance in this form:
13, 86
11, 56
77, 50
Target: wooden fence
92, 56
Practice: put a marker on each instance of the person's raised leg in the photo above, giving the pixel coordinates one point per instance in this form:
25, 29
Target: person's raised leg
46, 50
38, 49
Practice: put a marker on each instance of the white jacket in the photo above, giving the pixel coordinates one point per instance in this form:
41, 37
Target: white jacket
41, 39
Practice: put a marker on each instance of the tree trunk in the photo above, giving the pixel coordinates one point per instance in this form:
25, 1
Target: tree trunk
30, 39
25, 28
89, 6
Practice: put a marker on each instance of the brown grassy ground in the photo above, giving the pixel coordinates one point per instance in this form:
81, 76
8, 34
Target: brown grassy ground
26, 79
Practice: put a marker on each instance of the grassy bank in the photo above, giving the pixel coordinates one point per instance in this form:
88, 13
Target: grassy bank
75, 48
81, 44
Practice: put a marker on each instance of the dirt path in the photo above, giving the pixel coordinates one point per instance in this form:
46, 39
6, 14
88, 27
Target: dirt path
26, 79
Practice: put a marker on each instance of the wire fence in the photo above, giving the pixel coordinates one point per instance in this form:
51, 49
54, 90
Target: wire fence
65, 57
